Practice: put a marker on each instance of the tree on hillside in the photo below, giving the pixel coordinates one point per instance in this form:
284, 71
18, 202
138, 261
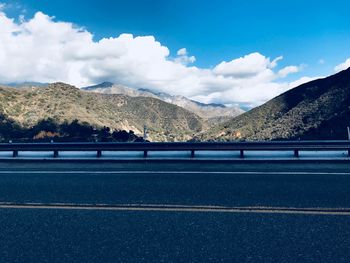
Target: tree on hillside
75, 129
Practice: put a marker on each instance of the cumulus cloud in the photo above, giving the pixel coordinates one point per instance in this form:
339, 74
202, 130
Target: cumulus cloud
248, 66
343, 66
45, 50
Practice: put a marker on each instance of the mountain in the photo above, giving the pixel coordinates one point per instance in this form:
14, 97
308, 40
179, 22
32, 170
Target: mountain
213, 113
110, 88
319, 109
62, 102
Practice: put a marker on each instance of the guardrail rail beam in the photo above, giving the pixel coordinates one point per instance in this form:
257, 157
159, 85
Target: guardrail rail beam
192, 147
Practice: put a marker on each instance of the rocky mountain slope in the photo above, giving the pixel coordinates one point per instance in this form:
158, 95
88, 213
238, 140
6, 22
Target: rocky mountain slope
62, 102
319, 109
213, 113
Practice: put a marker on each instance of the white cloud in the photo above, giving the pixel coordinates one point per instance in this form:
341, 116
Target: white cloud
182, 52
288, 70
343, 66
248, 66
44, 50
183, 57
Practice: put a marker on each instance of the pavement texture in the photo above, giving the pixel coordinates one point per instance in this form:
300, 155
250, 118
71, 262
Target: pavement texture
174, 211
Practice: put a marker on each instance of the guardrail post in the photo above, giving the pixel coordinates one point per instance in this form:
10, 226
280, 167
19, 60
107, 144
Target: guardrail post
99, 153
55, 153
145, 154
296, 153
241, 154
15, 153
192, 153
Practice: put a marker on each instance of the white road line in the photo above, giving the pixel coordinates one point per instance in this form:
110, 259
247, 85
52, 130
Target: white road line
173, 172
177, 208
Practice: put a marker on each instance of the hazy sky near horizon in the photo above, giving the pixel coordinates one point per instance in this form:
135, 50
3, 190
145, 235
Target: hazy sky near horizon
231, 52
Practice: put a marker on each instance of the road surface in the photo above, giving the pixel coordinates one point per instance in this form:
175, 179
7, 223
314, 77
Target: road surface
151, 211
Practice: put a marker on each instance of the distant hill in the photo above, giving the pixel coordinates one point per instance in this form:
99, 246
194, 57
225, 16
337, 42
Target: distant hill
62, 102
319, 109
213, 113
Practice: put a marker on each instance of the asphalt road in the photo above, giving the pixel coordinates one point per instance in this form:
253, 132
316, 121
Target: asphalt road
174, 211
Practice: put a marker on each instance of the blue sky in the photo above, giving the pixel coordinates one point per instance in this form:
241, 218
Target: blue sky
313, 35
302, 31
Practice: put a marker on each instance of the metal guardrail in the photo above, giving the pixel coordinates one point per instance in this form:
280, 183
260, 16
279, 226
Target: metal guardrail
294, 146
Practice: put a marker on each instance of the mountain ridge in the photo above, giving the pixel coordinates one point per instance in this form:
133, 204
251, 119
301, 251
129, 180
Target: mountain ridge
213, 112
319, 109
